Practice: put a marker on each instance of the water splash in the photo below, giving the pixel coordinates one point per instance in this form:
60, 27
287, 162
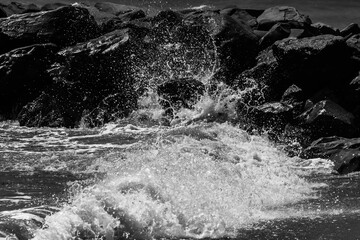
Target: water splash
195, 181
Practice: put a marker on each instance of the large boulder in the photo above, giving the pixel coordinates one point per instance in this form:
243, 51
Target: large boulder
316, 62
241, 15
282, 14
64, 26
236, 43
93, 83
344, 152
114, 8
23, 76
327, 118
277, 32
17, 8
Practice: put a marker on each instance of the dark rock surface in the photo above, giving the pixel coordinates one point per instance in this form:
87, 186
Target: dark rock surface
23, 76
17, 8
278, 14
91, 78
344, 152
64, 27
88, 65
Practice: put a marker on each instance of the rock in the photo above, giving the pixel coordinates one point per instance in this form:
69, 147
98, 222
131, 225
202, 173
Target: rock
240, 15
277, 32
42, 112
344, 152
236, 44
53, 6
350, 30
312, 63
133, 15
322, 29
326, 118
93, 82
99, 16
293, 94
180, 93
23, 76
114, 9
274, 115
274, 15
17, 8
64, 27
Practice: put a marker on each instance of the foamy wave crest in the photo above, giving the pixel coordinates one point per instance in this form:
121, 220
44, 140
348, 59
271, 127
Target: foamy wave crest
197, 181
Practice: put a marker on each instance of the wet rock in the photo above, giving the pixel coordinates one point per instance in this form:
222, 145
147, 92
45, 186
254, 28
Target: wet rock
42, 112
277, 32
93, 81
23, 76
274, 115
317, 61
53, 6
133, 15
240, 15
64, 27
236, 44
322, 29
17, 8
99, 16
350, 30
180, 93
344, 152
293, 94
284, 14
114, 9
326, 118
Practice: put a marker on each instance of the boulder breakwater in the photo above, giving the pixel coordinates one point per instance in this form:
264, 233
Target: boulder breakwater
271, 70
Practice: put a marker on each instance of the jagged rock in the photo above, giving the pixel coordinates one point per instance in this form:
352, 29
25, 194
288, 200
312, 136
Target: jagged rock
317, 61
240, 15
17, 8
344, 152
53, 6
274, 115
114, 9
180, 93
322, 29
64, 27
350, 30
93, 81
327, 118
277, 32
99, 16
236, 43
133, 15
23, 76
293, 94
274, 15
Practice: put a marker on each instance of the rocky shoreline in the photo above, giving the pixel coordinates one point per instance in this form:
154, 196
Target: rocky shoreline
62, 64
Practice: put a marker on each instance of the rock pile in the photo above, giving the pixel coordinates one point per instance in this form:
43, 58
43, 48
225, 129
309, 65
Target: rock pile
64, 64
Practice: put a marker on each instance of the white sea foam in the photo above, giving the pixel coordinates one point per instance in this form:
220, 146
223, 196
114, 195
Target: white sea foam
195, 181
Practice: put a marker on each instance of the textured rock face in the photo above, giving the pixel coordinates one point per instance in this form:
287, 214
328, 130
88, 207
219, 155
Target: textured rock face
285, 14
23, 76
64, 27
92, 81
344, 152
